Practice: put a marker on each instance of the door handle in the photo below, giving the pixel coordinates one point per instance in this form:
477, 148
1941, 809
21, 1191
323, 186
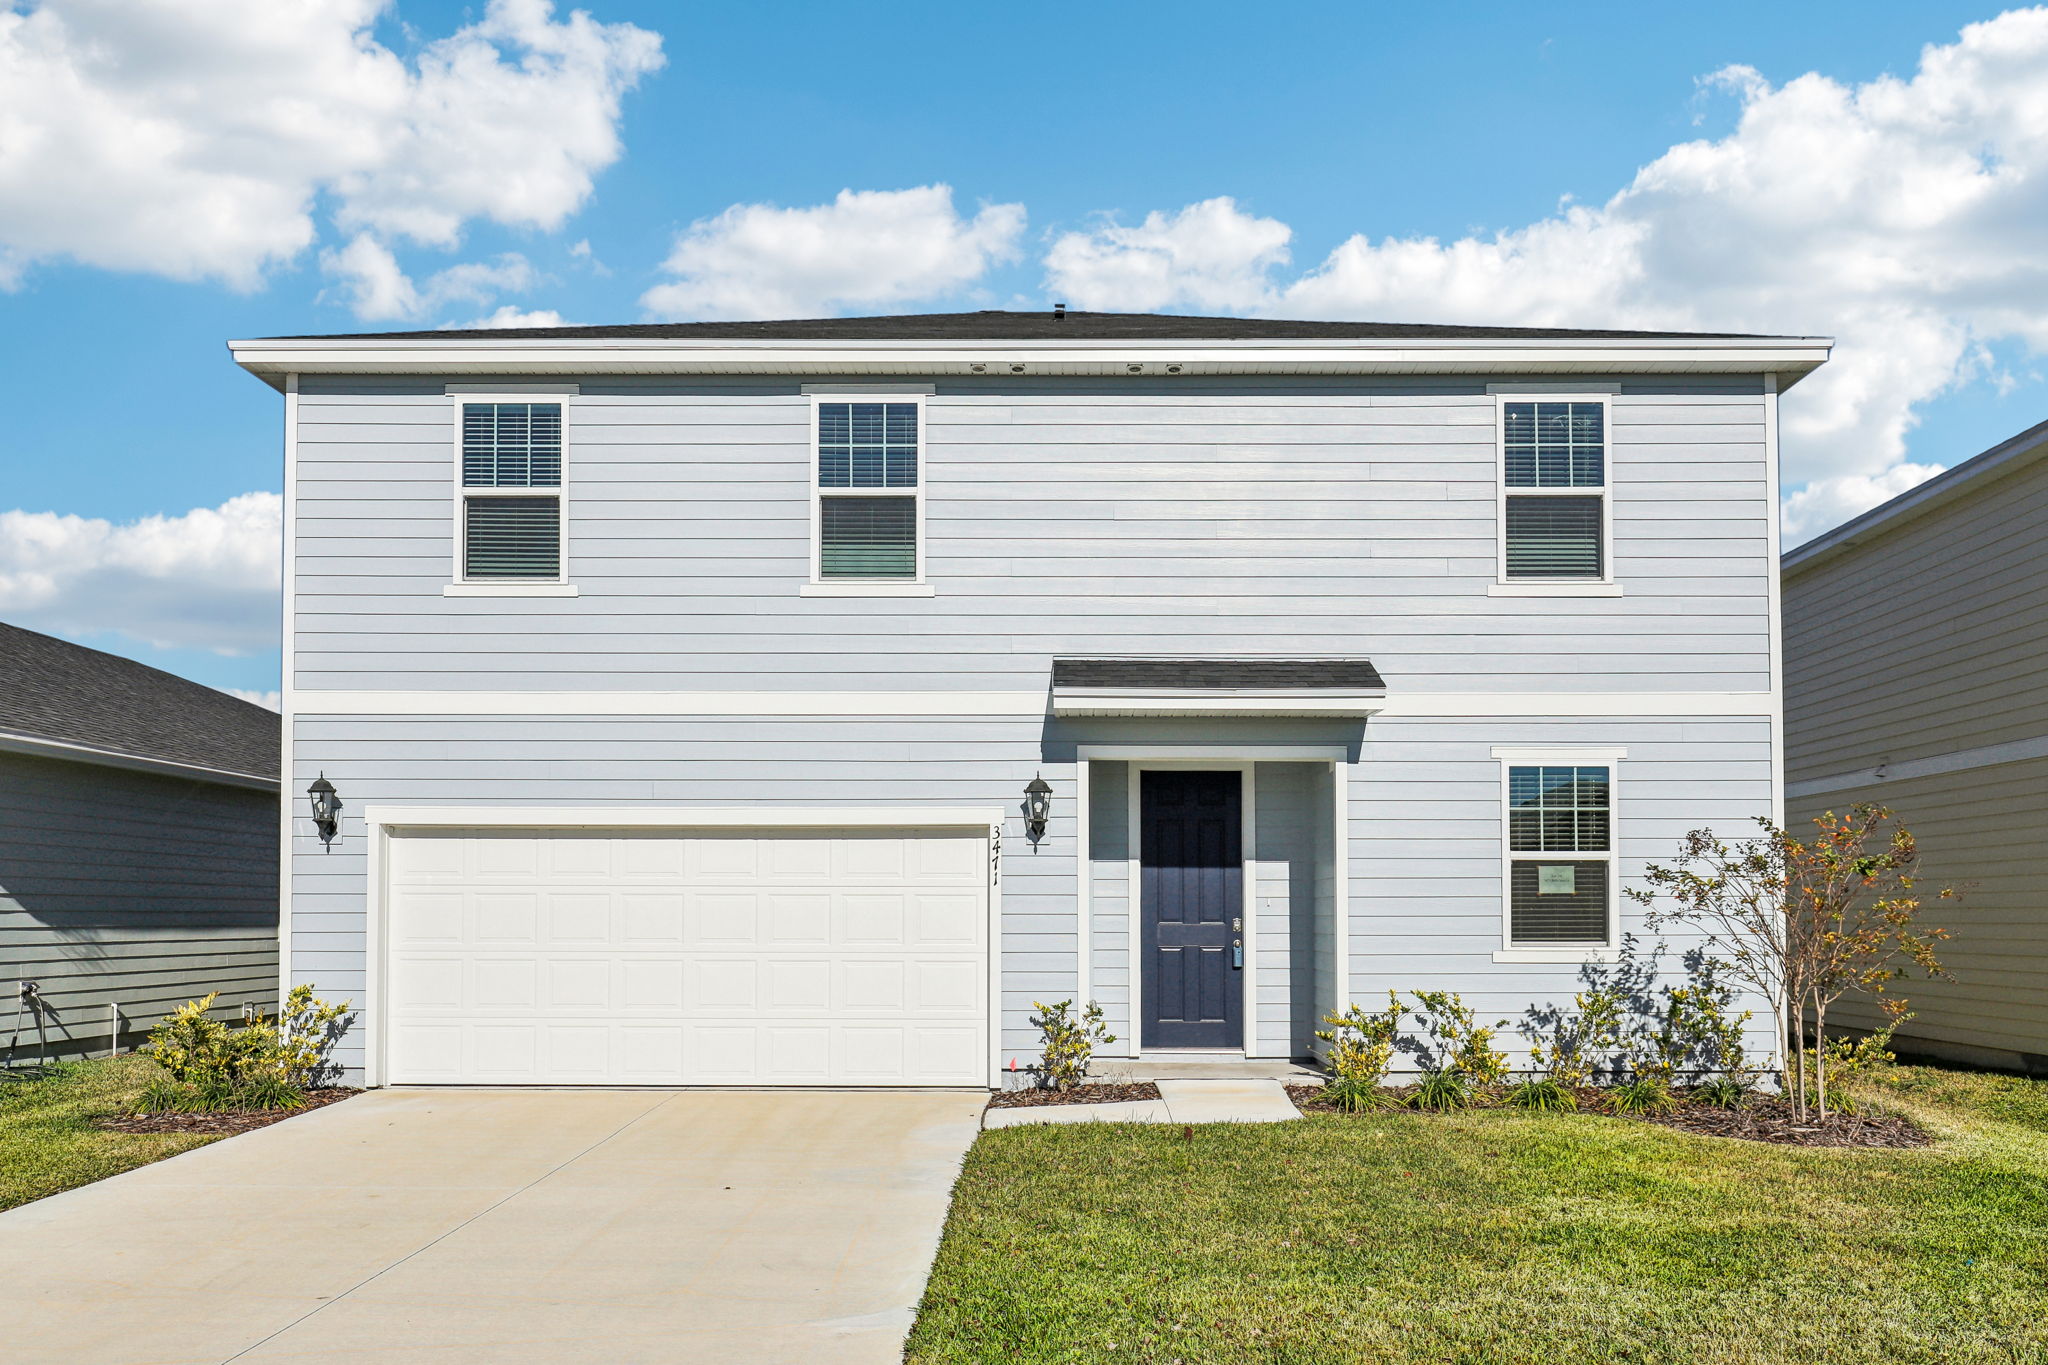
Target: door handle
1237, 953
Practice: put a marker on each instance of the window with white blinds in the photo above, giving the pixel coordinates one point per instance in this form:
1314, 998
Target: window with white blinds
1560, 855
511, 459
869, 491
1554, 482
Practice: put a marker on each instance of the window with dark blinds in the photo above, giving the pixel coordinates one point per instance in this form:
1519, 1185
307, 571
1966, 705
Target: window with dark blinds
511, 491
512, 538
1560, 854
1554, 468
868, 489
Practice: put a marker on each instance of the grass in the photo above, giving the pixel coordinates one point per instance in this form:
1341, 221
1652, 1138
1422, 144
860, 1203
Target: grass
47, 1141
1503, 1237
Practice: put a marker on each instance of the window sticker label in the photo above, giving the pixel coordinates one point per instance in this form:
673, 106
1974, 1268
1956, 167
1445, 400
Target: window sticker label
1557, 880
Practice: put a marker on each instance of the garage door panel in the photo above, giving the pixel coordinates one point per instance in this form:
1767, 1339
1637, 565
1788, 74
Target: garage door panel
649, 957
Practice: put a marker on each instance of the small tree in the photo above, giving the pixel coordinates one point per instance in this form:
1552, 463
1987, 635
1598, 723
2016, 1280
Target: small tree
1802, 922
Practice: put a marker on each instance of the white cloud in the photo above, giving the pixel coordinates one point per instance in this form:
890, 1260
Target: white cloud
207, 579
508, 316
377, 287
867, 248
1208, 255
1902, 216
194, 140
1829, 502
273, 700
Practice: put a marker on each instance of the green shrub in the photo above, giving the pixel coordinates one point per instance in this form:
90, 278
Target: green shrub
1362, 1044
1579, 1043
1356, 1095
1722, 1092
1642, 1096
1070, 1042
1458, 1042
1543, 1095
1442, 1090
212, 1066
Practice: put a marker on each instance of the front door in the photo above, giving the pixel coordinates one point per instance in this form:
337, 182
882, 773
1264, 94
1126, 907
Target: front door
1191, 899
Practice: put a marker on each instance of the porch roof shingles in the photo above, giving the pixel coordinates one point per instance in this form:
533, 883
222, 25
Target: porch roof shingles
1349, 675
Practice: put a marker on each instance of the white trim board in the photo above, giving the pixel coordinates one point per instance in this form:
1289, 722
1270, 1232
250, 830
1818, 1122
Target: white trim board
1478, 705
1933, 765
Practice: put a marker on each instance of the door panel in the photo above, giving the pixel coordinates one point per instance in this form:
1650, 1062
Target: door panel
1191, 899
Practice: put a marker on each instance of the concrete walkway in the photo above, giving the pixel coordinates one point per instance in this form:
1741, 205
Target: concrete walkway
505, 1226
1186, 1101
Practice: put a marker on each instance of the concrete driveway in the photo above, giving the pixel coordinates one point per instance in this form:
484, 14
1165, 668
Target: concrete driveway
505, 1226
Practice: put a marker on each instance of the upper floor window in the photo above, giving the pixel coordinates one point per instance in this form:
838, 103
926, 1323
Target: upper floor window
868, 508
511, 492
1560, 855
1554, 514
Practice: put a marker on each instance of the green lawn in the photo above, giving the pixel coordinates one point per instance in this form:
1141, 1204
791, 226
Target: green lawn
1503, 1237
48, 1143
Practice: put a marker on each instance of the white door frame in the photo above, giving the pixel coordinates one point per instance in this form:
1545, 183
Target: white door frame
1211, 758
385, 821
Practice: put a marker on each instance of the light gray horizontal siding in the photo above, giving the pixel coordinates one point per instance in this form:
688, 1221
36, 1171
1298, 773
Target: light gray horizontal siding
1087, 516
1925, 640
134, 890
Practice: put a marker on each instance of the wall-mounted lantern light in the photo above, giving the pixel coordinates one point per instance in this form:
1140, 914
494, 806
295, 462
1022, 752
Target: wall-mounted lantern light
326, 810
1037, 808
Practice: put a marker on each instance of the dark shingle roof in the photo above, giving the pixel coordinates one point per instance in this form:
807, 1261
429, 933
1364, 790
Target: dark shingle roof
1350, 674
995, 325
53, 689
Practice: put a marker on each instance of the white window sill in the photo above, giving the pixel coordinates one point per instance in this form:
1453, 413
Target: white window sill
856, 589
1569, 955
1524, 587
509, 590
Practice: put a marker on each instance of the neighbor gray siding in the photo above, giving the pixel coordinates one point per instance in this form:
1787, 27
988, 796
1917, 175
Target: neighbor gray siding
130, 889
1923, 645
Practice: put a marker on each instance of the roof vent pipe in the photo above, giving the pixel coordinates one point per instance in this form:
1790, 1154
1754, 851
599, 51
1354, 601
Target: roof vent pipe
1059, 312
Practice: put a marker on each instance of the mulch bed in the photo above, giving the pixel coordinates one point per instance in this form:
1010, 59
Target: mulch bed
1768, 1119
1087, 1094
1765, 1118
223, 1124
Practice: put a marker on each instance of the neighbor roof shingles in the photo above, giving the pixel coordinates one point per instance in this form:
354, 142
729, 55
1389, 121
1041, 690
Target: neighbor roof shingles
52, 689
1348, 674
995, 325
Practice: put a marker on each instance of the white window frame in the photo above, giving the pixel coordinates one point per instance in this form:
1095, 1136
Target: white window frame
459, 584
1609, 950
1503, 586
821, 586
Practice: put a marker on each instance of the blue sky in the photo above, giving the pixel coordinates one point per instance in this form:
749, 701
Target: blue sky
1059, 128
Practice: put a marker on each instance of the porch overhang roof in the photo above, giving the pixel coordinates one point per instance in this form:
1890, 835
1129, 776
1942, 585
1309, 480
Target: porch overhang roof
1338, 688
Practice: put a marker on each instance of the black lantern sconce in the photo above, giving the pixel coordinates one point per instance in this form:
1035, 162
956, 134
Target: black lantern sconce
326, 810
1037, 808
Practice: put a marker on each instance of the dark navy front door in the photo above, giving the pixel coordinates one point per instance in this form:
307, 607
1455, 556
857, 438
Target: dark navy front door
1190, 898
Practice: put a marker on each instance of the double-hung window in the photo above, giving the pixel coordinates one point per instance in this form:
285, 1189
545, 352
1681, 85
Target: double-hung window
1554, 491
867, 505
1561, 888
511, 499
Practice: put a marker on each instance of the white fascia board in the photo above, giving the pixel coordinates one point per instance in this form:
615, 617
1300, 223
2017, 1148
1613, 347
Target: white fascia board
683, 817
439, 703
113, 758
1131, 701
1790, 358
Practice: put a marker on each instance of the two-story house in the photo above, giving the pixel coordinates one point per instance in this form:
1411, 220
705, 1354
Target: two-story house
798, 702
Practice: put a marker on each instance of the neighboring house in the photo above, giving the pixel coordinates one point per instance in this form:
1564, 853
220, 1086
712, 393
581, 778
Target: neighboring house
688, 688
1916, 637
138, 848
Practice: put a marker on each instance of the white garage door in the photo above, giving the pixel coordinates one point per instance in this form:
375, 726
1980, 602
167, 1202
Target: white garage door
626, 957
